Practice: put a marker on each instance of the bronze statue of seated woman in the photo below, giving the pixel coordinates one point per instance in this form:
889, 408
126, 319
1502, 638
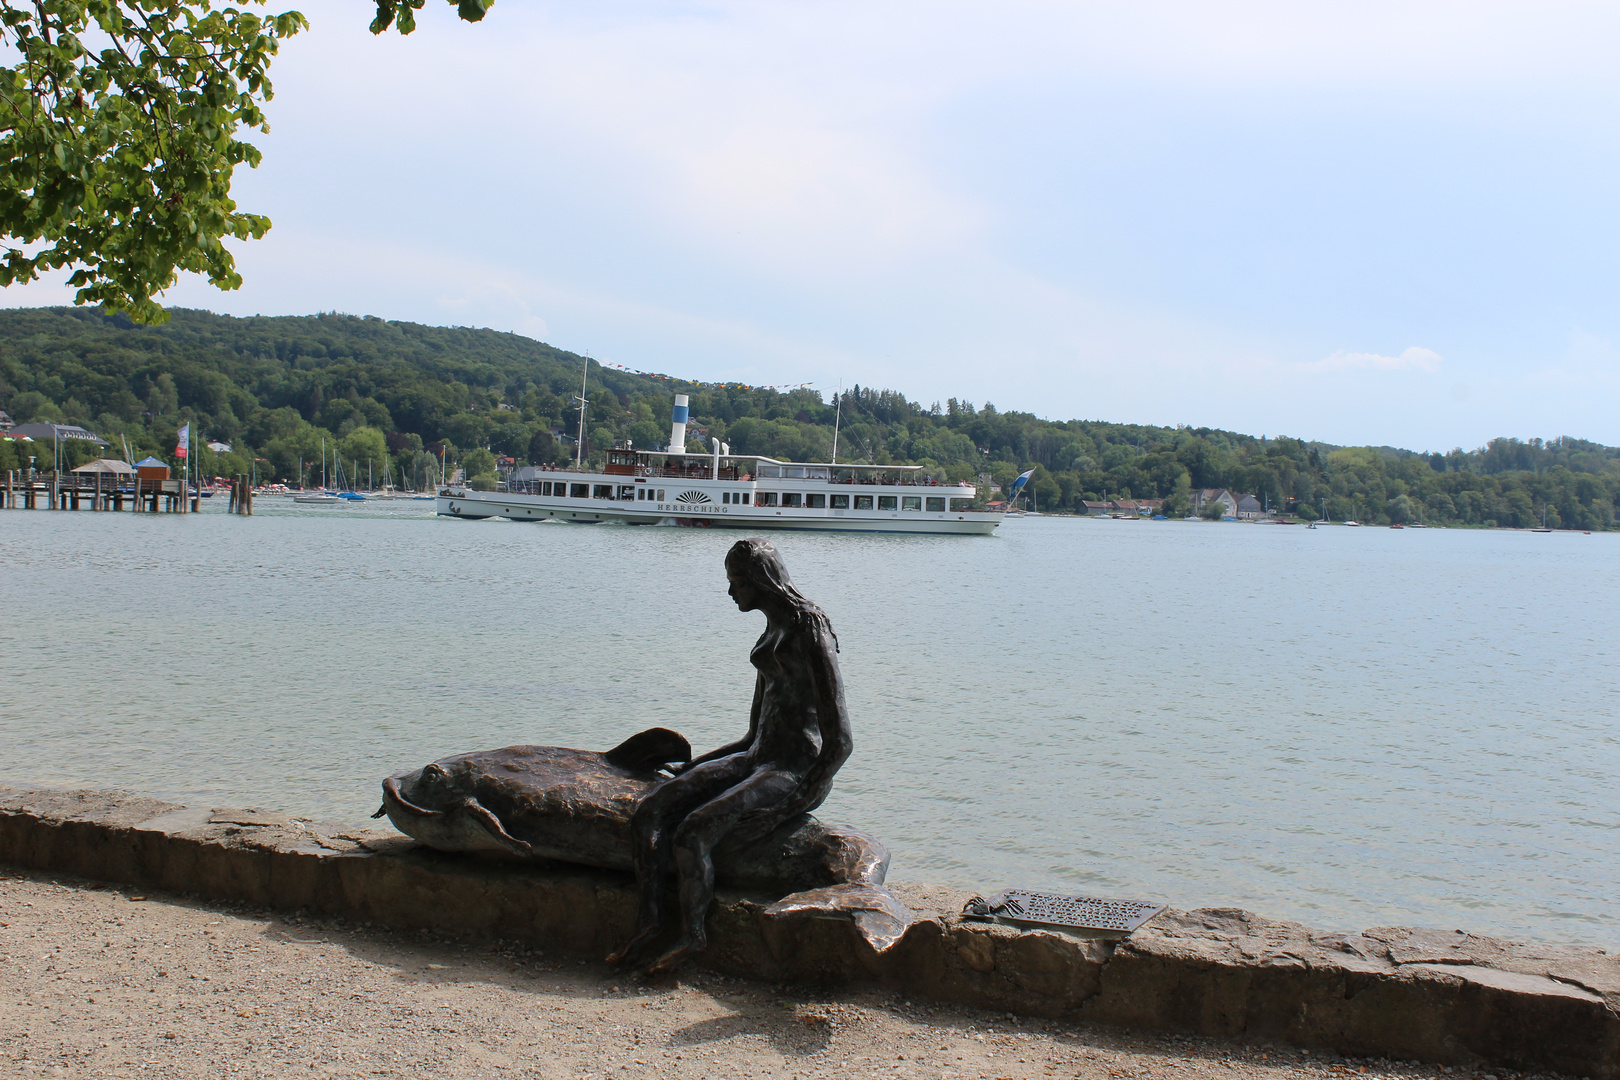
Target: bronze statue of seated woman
739, 813
798, 736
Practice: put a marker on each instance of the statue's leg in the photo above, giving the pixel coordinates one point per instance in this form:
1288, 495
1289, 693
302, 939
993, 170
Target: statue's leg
656, 817
694, 842
650, 854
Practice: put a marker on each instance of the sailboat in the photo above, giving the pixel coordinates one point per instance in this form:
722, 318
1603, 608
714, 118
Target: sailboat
350, 495
323, 496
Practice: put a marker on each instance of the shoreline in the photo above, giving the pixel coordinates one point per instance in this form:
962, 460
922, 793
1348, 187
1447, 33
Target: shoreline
1447, 998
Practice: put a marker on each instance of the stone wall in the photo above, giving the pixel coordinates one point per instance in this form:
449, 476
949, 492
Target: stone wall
1392, 992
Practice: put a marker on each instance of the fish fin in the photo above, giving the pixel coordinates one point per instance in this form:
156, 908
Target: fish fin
497, 832
647, 750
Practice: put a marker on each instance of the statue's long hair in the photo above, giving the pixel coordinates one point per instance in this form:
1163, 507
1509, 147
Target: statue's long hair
757, 560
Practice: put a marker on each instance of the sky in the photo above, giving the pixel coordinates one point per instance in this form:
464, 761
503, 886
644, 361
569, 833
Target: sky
1367, 222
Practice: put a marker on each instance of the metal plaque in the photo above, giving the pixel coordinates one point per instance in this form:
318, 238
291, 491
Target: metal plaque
1088, 914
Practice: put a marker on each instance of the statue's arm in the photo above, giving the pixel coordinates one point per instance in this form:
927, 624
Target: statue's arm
741, 744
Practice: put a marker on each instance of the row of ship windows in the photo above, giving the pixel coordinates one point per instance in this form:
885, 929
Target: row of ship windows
842, 502
762, 498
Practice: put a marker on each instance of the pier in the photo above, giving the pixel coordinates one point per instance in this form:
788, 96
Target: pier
111, 491
94, 491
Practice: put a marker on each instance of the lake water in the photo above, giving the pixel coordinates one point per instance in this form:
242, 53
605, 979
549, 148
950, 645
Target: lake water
1351, 727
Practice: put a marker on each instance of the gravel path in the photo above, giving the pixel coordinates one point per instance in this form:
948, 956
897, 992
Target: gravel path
99, 981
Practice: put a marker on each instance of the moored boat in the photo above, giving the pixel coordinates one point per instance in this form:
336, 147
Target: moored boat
726, 490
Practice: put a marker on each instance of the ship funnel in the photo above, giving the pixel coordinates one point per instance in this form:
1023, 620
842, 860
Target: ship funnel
677, 426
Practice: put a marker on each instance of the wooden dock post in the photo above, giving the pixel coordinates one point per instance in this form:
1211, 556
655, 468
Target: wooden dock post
241, 494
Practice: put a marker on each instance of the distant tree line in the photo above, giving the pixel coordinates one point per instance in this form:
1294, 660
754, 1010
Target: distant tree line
412, 396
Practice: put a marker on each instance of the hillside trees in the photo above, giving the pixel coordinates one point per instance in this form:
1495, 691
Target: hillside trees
275, 388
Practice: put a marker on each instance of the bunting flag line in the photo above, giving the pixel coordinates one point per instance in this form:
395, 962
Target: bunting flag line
710, 385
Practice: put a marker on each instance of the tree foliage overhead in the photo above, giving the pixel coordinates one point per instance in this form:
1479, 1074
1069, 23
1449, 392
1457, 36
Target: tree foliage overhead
274, 388
119, 127
120, 121
402, 13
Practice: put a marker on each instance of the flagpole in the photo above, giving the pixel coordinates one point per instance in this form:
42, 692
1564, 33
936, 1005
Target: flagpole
838, 414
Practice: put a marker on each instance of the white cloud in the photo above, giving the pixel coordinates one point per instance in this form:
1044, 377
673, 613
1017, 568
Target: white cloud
1415, 358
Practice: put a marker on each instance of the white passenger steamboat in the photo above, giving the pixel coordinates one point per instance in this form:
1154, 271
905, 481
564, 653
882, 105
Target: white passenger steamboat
726, 490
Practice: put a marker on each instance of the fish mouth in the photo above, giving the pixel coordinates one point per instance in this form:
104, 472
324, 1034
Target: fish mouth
465, 825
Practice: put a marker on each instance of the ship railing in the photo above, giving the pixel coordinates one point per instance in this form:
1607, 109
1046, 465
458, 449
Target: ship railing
690, 472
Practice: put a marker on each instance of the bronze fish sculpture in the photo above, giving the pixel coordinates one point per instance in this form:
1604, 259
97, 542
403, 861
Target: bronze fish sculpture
575, 806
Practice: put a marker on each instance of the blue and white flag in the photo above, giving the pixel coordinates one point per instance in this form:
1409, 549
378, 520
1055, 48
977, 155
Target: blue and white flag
1018, 484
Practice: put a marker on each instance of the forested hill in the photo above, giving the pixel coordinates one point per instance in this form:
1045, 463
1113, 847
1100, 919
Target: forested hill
274, 387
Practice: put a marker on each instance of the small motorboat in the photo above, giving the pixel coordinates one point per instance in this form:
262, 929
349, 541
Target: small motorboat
320, 498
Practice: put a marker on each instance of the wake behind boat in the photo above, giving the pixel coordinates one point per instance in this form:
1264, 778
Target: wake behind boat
726, 490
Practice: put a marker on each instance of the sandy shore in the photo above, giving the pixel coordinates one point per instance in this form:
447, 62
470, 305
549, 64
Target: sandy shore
99, 981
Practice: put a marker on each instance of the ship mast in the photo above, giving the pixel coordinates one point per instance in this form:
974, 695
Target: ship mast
579, 444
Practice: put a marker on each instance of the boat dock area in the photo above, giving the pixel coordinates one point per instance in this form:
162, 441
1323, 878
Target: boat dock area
109, 491
94, 491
